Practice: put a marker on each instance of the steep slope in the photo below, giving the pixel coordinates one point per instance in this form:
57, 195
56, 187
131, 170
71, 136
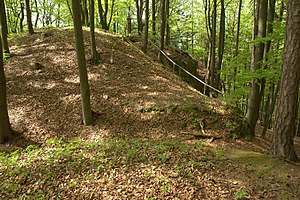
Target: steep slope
136, 149
44, 98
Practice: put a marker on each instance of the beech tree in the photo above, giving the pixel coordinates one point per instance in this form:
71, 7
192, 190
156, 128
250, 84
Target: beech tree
162, 28
257, 86
84, 85
5, 128
95, 57
4, 30
287, 107
146, 33
28, 14
103, 12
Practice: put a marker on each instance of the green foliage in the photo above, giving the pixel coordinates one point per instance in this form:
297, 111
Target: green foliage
241, 194
237, 123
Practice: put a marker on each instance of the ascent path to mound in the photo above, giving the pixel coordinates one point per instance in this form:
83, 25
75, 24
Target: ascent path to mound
44, 95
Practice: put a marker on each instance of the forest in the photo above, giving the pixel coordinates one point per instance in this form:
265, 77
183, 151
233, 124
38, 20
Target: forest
149, 99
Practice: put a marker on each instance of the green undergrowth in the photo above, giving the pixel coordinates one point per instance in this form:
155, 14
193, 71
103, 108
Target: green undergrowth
194, 114
263, 165
26, 173
237, 123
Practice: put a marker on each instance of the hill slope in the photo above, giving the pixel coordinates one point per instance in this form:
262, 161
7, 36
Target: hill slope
44, 96
136, 149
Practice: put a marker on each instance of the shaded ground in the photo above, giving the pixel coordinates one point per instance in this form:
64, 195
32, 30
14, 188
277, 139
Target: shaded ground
136, 148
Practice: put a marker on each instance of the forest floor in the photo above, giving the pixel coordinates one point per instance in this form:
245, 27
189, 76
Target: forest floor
140, 145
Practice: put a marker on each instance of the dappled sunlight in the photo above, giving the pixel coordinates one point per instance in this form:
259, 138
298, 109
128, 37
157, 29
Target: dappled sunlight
42, 85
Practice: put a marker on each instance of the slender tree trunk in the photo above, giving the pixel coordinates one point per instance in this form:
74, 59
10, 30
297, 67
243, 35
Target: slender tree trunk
5, 128
237, 40
86, 12
221, 45
111, 13
4, 30
270, 107
162, 29
212, 71
92, 31
70, 9
168, 28
256, 90
22, 16
103, 14
282, 144
153, 19
37, 13
145, 45
29, 21
84, 85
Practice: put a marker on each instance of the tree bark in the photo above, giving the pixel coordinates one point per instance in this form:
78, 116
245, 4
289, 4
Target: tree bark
153, 18
212, 70
162, 29
29, 21
84, 85
256, 89
4, 30
92, 32
146, 32
221, 45
282, 144
168, 28
5, 128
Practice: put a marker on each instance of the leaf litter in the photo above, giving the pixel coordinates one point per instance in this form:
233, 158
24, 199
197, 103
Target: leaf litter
135, 149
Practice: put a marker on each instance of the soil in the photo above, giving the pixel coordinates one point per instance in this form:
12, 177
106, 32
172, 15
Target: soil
44, 102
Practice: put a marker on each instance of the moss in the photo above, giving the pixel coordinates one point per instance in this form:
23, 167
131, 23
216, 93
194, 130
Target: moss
237, 124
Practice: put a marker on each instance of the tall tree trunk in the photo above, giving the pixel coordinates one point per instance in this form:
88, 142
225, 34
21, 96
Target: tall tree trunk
22, 16
221, 45
86, 12
168, 28
212, 70
162, 29
139, 15
36, 10
70, 9
153, 18
146, 32
237, 40
282, 144
4, 30
84, 85
5, 128
103, 14
92, 32
29, 21
256, 90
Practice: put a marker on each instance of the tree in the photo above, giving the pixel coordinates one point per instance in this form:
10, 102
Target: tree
153, 18
84, 85
162, 29
282, 144
212, 70
29, 21
139, 15
146, 33
221, 45
168, 28
105, 23
257, 86
5, 128
4, 30
95, 56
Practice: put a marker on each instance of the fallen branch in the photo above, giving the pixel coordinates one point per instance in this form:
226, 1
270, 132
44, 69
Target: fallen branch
199, 135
